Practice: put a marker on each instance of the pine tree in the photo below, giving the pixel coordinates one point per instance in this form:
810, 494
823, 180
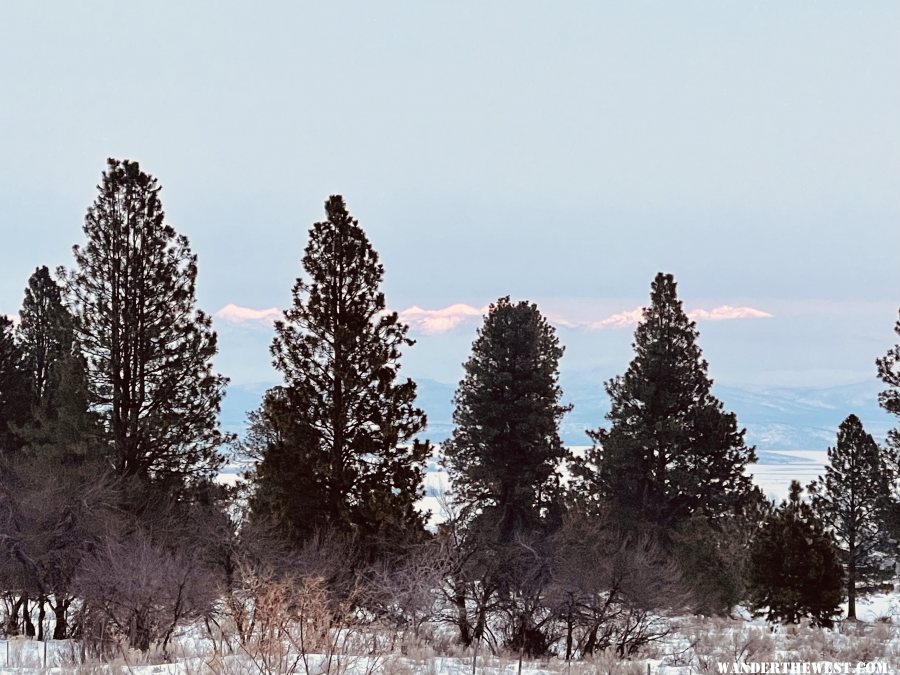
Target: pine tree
13, 387
60, 426
505, 452
51, 491
503, 457
671, 451
850, 498
337, 441
45, 332
889, 373
795, 570
148, 349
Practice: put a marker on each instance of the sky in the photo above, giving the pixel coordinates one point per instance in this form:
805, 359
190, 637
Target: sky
558, 152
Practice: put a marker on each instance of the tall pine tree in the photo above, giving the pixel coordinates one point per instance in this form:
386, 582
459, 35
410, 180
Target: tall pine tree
504, 458
46, 333
148, 348
850, 499
671, 450
60, 425
505, 452
889, 373
888, 368
13, 387
337, 441
50, 491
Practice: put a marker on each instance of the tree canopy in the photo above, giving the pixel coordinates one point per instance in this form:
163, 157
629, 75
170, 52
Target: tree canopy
339, 449
670, 450
148, 348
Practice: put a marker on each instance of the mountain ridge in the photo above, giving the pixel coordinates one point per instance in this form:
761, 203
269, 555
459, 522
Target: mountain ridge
776, 418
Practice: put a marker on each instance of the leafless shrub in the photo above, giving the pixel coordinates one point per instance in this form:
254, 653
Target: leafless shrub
296, 624
607, 662
523, 615
729, 641
136, 589
405, 593
255, 560
51, 513
611, 590
469, 587
862, 649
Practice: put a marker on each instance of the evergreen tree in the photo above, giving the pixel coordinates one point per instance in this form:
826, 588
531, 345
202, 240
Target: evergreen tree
889, 373
60, 426
336, 442
45, 332
850, 499
795, 570
671, 451
712, 561
148, 349
13, 387
49, 490
503, 458
505, 451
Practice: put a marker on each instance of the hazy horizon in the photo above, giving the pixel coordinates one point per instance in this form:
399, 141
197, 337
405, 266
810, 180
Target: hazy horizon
562, 155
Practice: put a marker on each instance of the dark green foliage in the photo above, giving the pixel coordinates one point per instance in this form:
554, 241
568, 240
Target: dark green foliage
148, 349
850, 499
504, 457
46, 334
336, 441
671, 450
13, 387
53, 491
889, 372
60, 427
711, 561
712, 556
505, 452
795, 570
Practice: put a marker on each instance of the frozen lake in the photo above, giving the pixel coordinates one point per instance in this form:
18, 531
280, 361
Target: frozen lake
802, 465
773, 475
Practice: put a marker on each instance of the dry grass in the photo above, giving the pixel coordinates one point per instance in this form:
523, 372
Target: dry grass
297, 628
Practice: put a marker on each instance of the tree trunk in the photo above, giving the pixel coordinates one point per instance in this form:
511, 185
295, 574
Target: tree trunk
26, 618
478, 633
462, 618
897, 577
42, 614
60, 626
12, 622
140, 633
591, 643
851, 589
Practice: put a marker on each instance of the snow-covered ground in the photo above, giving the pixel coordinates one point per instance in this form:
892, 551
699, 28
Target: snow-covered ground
694, 645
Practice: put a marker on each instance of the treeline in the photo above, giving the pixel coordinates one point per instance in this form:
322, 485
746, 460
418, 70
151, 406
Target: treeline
113, 528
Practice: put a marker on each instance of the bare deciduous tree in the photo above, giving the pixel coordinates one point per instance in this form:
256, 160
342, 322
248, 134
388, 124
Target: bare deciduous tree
610, 588
138, 589
406, 592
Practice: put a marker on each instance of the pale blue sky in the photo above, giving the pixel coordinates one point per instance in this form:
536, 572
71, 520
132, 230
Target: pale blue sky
562, 152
